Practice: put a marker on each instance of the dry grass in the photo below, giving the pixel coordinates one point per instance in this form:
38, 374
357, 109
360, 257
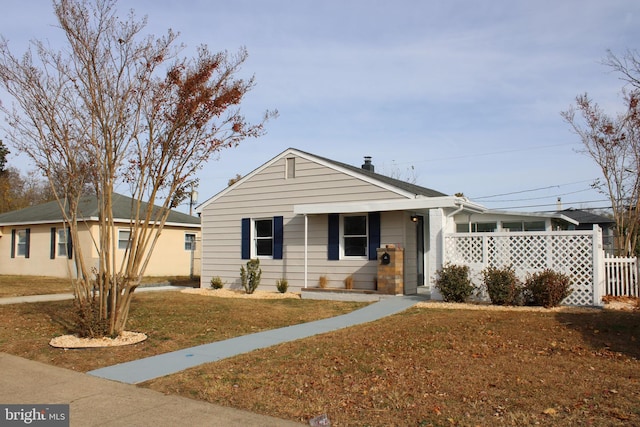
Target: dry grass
172, 320
441, 367
13, 286
425, 366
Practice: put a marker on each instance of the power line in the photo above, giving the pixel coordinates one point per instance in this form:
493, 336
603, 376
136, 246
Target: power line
539, 198
532, 190
551, 204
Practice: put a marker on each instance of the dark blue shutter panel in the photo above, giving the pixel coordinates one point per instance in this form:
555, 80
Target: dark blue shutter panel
334, 237
374, 235
278, 236
52, 252
28, 245
69, 244
13, 243
246, 238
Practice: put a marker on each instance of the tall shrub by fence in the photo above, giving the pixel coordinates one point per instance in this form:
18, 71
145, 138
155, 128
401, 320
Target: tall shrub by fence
577, 254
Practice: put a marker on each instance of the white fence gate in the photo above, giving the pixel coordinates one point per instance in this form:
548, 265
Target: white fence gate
575, 253
621, 277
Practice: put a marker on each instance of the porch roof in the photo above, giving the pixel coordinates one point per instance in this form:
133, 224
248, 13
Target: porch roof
389, 205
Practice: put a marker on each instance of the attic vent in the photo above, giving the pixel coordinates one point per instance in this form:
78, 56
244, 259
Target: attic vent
367, 164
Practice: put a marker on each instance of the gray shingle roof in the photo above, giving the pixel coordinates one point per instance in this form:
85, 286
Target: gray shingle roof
87, 208
402, 185
584, 217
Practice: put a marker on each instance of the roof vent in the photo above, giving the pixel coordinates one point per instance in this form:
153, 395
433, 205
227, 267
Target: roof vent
367, 164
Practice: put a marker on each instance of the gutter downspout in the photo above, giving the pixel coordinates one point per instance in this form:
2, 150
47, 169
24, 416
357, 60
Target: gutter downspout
306, 233
457, 211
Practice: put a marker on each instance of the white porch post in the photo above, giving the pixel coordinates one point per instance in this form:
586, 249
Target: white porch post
306, 229
437, 225
598, 266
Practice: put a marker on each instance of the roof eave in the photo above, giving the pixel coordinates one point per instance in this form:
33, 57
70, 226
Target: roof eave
387, 205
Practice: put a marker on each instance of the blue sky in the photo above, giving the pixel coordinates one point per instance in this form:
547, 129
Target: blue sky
464, 96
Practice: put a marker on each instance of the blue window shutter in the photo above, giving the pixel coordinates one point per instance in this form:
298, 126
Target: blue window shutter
334, 237
28, 245
278, 236
374, 235
69, 244
246, 238
52, 252
13, 243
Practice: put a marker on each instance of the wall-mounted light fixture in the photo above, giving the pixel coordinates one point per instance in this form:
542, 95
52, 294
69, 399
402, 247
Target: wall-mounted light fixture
414, 218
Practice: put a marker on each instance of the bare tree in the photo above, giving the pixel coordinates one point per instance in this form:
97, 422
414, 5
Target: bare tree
116, 108
4, 151
18, 191
614, 144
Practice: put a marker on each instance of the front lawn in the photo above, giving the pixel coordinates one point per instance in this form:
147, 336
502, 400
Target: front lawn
172, 320
425, 366
438, 367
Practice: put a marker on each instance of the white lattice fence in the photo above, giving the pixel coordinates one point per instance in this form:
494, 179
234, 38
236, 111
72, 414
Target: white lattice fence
568, 252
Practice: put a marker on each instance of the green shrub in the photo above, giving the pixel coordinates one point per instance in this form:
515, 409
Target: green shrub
216, 282
453, 283
547, 288
282, 285
250, 277
503, 286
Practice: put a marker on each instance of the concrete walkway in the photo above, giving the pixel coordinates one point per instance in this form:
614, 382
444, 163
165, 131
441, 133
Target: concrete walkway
169, 363
97, 402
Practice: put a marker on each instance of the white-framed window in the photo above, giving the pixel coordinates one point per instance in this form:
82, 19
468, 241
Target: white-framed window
263, 237
123, 239
355, 238
63, 236
477, 227
189, 242
523, 226
21, 243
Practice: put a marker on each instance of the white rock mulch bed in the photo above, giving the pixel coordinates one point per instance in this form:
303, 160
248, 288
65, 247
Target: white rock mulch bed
490, 307
228, 293
72, 341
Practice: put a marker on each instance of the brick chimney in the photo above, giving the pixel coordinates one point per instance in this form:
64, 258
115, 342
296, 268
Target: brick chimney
367, 164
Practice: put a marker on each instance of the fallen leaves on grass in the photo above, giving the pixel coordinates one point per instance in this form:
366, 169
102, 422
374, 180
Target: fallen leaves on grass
439, 367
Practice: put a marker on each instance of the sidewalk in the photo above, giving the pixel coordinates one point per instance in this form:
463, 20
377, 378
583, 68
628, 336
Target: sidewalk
98, 402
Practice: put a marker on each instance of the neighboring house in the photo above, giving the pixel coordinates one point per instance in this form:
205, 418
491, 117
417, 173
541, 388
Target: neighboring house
35, 240
306, 216
586, 220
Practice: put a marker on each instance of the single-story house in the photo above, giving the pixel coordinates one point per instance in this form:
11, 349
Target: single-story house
307, 217
586, 220
36, 241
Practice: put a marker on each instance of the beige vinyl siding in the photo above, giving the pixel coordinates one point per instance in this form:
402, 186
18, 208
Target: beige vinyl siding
269, 193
